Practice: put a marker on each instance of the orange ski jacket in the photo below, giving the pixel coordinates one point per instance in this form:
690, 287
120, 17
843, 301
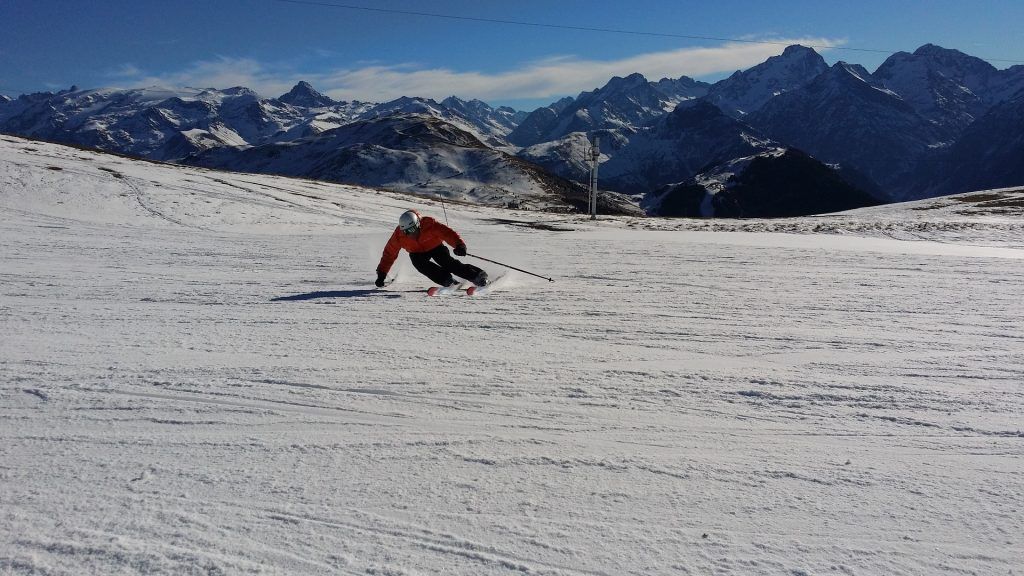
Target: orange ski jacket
432, 234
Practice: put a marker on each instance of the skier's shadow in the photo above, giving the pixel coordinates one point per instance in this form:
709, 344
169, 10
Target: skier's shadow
336, 294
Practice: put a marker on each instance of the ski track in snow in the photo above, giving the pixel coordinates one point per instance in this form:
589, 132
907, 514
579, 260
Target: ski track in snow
197, 376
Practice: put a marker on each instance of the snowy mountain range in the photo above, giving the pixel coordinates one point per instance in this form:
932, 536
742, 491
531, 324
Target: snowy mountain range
893, 133
936, 121
416, 153
899, 125
170, 124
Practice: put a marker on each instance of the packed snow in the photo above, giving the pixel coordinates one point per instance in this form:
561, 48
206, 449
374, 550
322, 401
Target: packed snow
198, 376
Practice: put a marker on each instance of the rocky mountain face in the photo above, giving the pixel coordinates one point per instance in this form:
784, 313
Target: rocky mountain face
989, 154
536, 125
947, 87
303, 95
621, 104
501, 120
870, 128
679, 145
746, 91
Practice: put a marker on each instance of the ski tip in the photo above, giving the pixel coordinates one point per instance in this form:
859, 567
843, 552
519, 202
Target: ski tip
471, 290
432, 291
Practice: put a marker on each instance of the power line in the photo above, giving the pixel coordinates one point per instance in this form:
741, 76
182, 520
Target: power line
592, 29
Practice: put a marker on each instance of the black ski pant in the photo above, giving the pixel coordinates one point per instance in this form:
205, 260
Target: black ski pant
439, 265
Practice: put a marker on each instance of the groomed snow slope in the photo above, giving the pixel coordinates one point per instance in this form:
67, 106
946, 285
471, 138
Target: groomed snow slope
197, 377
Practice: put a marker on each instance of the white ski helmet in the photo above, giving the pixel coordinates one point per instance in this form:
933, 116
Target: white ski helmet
409, 222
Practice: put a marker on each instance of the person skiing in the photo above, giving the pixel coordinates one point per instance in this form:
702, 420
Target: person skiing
424, 238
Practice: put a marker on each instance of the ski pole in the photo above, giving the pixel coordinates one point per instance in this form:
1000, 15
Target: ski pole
509, 267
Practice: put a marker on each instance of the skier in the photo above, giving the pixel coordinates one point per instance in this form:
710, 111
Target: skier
424, 238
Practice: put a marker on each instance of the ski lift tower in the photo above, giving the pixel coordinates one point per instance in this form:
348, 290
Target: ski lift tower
595, 153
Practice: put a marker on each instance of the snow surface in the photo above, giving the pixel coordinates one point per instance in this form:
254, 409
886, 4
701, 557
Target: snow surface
196, 376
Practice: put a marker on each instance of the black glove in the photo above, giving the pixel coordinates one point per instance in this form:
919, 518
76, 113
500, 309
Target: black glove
460, 250
380, 279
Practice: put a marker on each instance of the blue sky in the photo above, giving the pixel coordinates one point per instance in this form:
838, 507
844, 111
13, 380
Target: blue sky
269, 45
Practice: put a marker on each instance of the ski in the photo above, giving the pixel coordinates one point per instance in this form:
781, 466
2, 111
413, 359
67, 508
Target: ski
442, 290
448, 290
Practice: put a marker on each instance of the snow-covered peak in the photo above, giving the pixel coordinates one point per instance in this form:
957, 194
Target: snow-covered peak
406, 105
952, 59
480, 108
844, 72
218, 97
948, 87
304, 95
746, 91
843, 75
477, 117
796, 51
487, 121
623, 103
456, 103
968, 71
235, 92
681, 89
855, 70
620, 84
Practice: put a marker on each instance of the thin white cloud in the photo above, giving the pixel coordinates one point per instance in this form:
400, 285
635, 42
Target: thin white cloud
127, 70
221, 72
548, 78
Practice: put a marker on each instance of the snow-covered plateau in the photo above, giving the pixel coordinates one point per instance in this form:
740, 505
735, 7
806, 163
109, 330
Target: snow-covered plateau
197, 376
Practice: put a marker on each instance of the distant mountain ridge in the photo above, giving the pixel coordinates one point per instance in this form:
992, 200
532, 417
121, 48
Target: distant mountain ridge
890, 133
168, 124
935, 121
413, 153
